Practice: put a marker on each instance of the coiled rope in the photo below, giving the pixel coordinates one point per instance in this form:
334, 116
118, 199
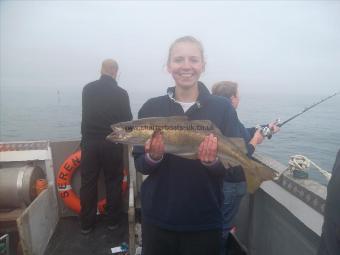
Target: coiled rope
300, 162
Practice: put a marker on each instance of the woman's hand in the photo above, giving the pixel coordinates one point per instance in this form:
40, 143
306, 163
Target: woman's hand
207, 151
155, 146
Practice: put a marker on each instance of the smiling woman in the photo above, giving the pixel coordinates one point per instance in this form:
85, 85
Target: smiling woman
186, 64
181, 198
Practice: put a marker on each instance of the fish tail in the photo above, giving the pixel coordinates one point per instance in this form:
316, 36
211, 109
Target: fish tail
256, 174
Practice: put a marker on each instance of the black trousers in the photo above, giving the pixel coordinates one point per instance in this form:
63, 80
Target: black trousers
100, 155
157, 241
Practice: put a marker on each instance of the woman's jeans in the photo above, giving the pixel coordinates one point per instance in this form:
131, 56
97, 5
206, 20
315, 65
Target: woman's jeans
233, 193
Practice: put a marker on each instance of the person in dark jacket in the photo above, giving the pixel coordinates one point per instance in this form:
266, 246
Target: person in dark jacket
103, 104
330, 237
182, 198
234, 182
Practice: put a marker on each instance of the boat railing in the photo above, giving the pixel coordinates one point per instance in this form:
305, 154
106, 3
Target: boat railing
282, 217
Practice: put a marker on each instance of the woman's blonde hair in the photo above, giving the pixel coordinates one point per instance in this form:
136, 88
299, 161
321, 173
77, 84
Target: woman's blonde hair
187, 38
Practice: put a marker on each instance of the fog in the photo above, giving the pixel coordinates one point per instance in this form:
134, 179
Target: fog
265, 46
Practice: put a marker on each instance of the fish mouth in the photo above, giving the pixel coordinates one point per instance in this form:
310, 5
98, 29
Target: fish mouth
124, 135
118, 134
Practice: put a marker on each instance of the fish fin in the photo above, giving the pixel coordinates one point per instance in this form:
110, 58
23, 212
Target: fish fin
183, 152
258, 174
216, 130
151, 120
174, 118
177, 118
188, 155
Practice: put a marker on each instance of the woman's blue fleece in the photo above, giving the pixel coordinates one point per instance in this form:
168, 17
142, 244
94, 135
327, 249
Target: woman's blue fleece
181, 194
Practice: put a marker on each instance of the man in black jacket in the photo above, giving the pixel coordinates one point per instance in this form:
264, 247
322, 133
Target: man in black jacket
103, 103
330, 238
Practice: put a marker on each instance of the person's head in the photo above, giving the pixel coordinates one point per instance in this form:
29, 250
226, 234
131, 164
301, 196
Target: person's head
186, 61
109, 67
227, 89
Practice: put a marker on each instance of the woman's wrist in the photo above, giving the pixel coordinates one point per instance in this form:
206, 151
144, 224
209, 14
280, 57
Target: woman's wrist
152, 160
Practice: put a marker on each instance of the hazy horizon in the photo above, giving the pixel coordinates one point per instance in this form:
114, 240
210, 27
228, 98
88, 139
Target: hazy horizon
265, 46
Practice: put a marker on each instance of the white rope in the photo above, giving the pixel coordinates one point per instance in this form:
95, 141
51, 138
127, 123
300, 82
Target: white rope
300, 162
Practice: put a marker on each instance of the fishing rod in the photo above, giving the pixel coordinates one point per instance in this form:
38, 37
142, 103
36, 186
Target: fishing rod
307, 109
267, 132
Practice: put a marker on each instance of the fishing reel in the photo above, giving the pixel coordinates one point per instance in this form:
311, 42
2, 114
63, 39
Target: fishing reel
266, 131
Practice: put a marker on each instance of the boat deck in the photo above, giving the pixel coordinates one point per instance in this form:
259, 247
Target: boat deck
67, 239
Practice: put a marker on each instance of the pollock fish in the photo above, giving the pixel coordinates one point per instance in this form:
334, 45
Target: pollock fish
182, 138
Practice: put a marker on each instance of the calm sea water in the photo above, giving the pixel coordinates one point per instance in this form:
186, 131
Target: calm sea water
44, 113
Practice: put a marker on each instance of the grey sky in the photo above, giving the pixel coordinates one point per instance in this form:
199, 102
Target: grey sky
269, 46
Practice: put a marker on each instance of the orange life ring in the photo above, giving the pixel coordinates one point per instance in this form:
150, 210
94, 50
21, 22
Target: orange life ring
64, 180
